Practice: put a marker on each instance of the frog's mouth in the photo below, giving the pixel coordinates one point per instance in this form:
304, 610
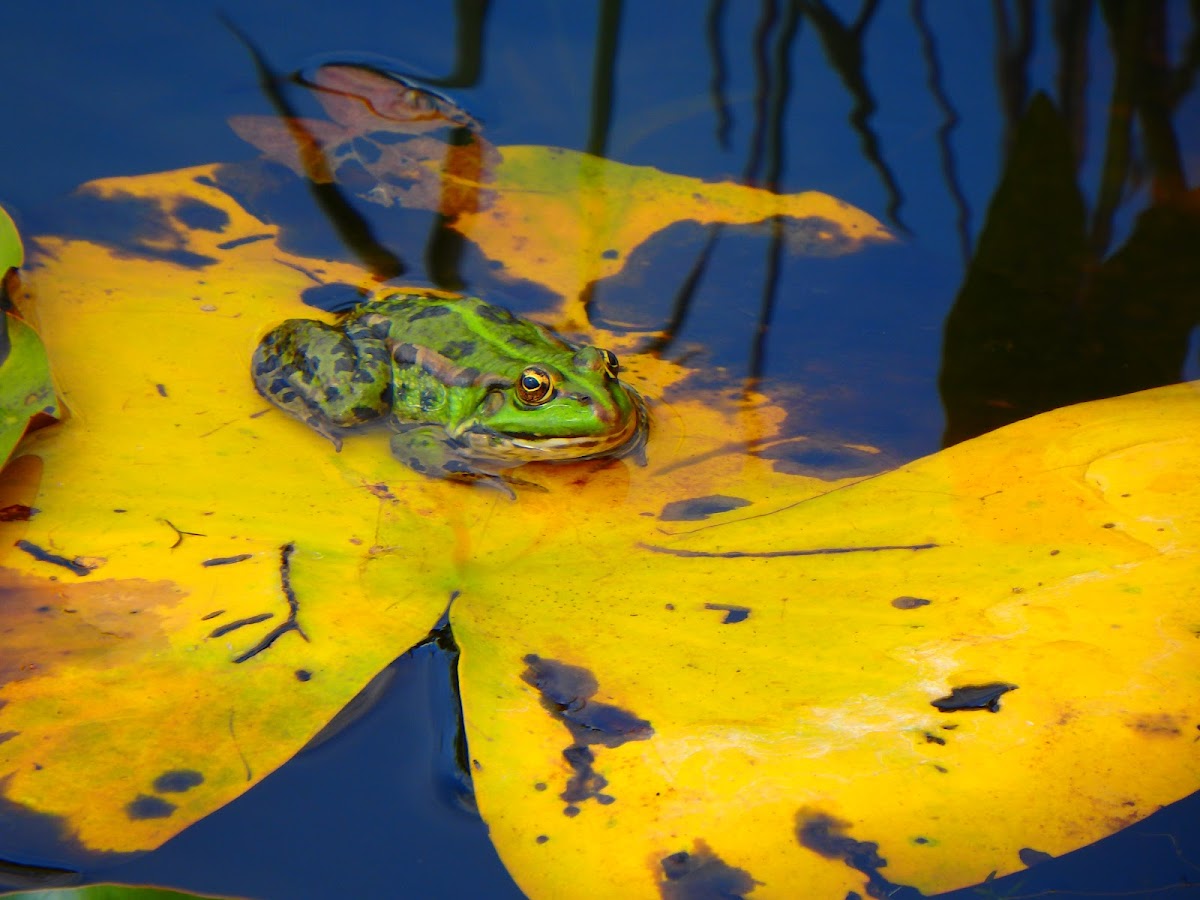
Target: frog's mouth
517, 448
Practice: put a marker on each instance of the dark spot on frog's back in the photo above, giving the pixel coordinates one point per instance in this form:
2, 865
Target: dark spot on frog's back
177, 781
456, 350
702, 875
497, 314
266, 365
429, 311
147, 807
309, 365
695, 509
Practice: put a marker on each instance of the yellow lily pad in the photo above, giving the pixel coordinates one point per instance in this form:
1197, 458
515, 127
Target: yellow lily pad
218, 578
701, 672
751, 701
202, 584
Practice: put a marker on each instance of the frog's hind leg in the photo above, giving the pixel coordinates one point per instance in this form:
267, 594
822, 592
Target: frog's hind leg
429, 450
314, 372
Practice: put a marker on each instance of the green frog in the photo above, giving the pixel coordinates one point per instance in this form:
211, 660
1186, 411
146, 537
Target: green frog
469, 389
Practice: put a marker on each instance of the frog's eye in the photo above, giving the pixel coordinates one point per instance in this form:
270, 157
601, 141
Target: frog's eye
535, 386
611, 365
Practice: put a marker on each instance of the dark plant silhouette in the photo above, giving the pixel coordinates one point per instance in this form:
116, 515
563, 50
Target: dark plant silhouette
1046, 316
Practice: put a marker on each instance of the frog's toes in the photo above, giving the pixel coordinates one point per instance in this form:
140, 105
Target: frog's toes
458, 470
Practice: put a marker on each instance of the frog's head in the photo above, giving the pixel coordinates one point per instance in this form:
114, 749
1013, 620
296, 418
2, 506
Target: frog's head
575, 407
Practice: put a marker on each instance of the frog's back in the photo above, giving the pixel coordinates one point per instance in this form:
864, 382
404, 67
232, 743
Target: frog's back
464, 330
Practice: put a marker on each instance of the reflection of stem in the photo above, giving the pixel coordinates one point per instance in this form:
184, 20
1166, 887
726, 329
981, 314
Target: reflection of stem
1072, 21
471, 15
762, 31
1154, 106
444, 247
354, 230
713, 23
1143, 85
461, 175
1184, 76
962, 222
1012, 62
776, 108
603, 69
683, 297
844, 47
1126, 35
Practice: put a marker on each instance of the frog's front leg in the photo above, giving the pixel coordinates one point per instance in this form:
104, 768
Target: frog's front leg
325, 379
428, 449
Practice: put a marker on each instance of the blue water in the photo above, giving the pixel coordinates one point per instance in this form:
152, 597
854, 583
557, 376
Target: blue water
125, 87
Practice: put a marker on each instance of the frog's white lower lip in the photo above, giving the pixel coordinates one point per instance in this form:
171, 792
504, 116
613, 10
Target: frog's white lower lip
523, 448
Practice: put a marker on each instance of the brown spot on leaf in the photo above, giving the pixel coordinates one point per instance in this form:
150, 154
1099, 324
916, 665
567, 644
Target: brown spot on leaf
177, 781
974, 696
149, 807
696, 509
1031, 857
1157, 725
823, 834
702, 875
566, 693
733, 614
38, 634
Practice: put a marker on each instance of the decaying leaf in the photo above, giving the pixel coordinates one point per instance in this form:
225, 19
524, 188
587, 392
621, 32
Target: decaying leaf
220, 579
1005, 626
704, 674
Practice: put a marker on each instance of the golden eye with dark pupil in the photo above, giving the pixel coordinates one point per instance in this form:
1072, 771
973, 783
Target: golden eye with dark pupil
534, 386
611, 365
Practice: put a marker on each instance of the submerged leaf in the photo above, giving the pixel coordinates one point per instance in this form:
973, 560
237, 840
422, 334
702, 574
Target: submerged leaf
560, 218
104, 892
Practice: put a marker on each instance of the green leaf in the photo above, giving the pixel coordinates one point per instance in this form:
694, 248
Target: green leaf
12, 254
105, 892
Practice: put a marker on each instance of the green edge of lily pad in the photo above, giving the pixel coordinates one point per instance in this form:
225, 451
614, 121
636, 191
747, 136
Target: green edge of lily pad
25, 385
12, 254
107, 892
